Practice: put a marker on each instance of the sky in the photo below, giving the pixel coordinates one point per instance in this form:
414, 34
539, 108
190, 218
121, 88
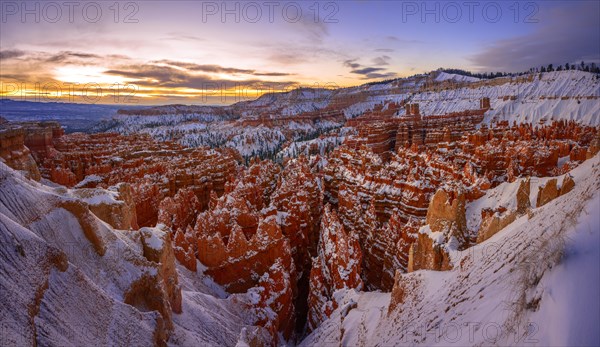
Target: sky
220, 52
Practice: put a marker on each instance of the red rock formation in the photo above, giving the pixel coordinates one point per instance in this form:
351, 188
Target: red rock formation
547, 192
473, 160
179, 212
41, 136
337, 266
275, 308
386, 251
446, 227
594, 146
158, 248
184, 244
87, 222
428, 254
494, 221
15, 154
118, 210
155, 170
298, 203
446, 215
567, 184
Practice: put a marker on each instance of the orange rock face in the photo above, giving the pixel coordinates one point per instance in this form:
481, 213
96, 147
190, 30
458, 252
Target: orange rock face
337, 266
41, 136
298, 201
14, 153
179, 212
275, 295
119, 211
395, 195
430, 156
155, 170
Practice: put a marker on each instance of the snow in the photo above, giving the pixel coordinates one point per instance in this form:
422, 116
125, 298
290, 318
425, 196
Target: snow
513, 289
443, 76
89, 179
566, 95
153, 237
572, 310
94, 196
83, 305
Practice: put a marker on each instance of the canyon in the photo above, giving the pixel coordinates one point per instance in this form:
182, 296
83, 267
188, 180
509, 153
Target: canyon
292, 213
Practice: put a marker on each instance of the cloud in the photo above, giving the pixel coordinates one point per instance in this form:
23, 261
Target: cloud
397, 39
351, 63
150, 75
211, 68
11, 54
315, 29
370, 72
382, 60
159, 74
157, 77
380, 75
273, 74
68, 57
563, 36
384, 50
178, 36
367, 70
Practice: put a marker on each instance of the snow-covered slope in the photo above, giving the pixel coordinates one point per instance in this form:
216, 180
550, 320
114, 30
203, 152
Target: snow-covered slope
536, 282
444, 76
569, 95
57, 289
553, 95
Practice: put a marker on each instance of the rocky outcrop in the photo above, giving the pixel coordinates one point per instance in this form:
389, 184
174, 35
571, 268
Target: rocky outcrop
567, 184
298, 203
494, 221
446, 215
40, 137
87, 222
523, 193
180, 211
446, 228
155, 170
337, 266
274, 307
594, 146
238, 263
184, 244
158, 248
15, 154
428, 252
547, 192
115, 207
240, 239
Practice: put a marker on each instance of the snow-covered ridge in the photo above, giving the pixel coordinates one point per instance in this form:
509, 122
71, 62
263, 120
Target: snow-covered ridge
55, 289
444, 76
534, 283
569, 95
